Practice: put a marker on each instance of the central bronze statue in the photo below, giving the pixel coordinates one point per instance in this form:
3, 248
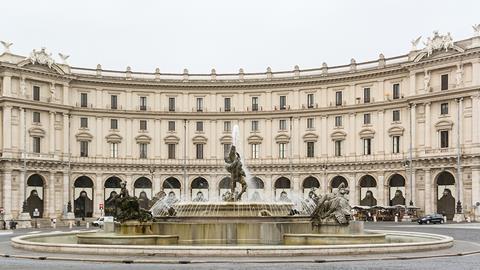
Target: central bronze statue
237, 175
127, 207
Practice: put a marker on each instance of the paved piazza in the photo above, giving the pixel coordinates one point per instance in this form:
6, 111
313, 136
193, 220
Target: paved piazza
467, 242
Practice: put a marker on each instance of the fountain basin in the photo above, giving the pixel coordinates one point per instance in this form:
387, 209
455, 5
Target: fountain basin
66, 242
334, 239
115, 239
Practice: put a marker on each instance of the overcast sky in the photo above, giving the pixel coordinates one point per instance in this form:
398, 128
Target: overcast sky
228, 35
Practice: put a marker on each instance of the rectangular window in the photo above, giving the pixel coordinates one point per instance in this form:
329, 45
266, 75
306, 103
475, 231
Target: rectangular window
255, 150
338, 98
83, 100
199, 150
199, 104
226, 149
254, 103
282, 148
310, 123
113, 102
366, 95
171, 125
143, 124
444, 139
283, 102
113, 150
444, 82
310, 149
143, 150
36, 144
113, 124
171, 104
310, 101
396, 144
199, 126
84, 122
444, 108
338, 121
84, 148
143, 103
366, 119
396, 91
338, 148
36, 93
254, 125
367, 146
227, 104
171, 151
282, 124
396, 115
36, 117
227, 126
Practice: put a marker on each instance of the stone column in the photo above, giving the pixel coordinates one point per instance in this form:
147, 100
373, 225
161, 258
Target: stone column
476, 117
414, 188
428, 125
99, 195
428, 192
51, 134
413, 85
7, 130
99, 138
293, 137
7, 86
21, 189
66, 98
128, 140
269, 148
352, 138
296, 100
156, 140
214, 140
413, 119
51, 195
380, 136
476, 191
381, 190
66, 136
324, 138
7, 195
22, 130
324, 183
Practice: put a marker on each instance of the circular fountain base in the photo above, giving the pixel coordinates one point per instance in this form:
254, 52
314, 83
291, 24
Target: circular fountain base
132, 240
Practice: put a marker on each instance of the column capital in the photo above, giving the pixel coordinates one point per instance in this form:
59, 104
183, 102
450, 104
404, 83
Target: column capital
428, 103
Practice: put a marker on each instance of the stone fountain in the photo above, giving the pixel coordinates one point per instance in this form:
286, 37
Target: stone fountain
234, 227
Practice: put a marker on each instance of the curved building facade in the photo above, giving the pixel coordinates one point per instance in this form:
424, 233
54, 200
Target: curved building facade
396, 130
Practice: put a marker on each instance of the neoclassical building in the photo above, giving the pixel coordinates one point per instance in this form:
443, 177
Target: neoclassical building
400, 130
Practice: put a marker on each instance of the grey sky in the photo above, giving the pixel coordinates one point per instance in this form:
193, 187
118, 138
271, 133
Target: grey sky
227, 35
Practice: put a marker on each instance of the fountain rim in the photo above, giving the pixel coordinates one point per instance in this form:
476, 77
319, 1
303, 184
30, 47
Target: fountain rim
434, 242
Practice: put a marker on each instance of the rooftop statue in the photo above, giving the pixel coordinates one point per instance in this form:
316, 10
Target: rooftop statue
127, 207
235, 167
332, 208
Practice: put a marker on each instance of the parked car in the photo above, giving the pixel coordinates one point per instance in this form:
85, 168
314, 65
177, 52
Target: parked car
433, 218
99, 222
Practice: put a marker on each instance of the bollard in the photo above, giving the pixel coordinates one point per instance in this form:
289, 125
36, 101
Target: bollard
374, 218
396, 218
70, 225
445, 219
88, 225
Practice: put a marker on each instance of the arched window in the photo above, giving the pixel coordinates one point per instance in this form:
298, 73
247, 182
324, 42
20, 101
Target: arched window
83, 197
336, 181
35, 190
199, 189
368, 191
310, 184
170, 185
396, 190
282, 189
112, 187
446, 194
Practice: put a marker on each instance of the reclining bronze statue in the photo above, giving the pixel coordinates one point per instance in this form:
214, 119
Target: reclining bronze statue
126, 207
333, 208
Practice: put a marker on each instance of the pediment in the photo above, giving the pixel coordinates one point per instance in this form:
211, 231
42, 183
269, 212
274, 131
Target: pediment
227, 139
254, 139
282, 138
310, 137
338, 135
396, 131
84, 136
113, 138
366, 133
199, 139
36, 132
42, 68
444, 125
143, 138
171, 139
